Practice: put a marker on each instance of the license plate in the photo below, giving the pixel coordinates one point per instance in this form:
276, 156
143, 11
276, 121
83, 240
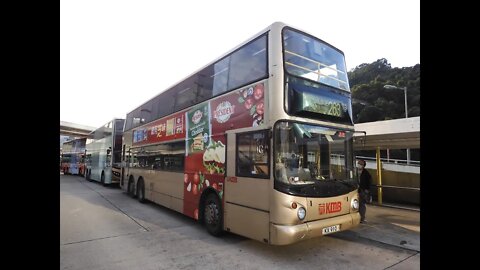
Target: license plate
331, 229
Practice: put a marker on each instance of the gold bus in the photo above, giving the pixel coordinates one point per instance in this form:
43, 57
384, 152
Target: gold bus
257, 143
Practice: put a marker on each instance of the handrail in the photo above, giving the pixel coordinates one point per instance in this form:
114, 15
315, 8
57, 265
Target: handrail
389, 160
385, 160
316, 62
314, 71
398, 187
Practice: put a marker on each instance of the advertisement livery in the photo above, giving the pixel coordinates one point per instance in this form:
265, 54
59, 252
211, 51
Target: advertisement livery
203, 128
198, 128
165, 129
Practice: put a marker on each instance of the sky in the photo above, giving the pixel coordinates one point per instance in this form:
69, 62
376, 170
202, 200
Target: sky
116, 54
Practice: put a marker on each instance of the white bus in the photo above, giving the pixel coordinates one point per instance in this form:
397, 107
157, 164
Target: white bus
103, 153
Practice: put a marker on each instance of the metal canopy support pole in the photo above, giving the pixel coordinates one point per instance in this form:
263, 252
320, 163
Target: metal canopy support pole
379, 176
408, 156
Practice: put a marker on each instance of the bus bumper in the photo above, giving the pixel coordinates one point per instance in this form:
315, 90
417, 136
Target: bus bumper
288, 234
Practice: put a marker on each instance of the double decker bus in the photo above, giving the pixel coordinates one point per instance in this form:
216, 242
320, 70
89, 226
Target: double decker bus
73, 157
103, 153
257, 143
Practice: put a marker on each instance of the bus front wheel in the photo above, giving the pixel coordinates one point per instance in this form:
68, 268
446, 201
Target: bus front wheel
213, 215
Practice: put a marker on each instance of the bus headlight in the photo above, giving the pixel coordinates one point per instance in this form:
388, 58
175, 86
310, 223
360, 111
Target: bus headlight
354, 204
301, 213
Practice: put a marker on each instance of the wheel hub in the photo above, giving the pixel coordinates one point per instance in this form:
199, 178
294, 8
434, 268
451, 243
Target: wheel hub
211, 214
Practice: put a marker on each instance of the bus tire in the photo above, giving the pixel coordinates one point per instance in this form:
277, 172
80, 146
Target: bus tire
102, 179
213, 215
122, 180
130, 191
141, 191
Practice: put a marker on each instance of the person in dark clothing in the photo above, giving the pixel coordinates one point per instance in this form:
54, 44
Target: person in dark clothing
364, 188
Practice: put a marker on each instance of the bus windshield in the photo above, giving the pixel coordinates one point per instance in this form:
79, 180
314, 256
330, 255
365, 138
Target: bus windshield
307, 154
313, 59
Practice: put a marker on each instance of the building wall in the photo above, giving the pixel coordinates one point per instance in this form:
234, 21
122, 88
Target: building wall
399, 179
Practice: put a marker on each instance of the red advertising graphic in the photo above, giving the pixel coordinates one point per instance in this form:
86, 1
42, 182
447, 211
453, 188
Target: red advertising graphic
239, 109
168, 128
198, 129
203, 170
205, 164
193, 187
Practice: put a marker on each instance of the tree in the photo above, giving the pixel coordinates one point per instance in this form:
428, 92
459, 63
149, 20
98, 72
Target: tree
367, 85
370, 114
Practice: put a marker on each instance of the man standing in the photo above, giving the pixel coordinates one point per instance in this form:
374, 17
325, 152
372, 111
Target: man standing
364, 188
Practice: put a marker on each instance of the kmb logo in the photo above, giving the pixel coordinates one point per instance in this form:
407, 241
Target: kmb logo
327, 208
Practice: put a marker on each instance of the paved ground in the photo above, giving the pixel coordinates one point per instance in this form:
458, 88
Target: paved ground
103, 228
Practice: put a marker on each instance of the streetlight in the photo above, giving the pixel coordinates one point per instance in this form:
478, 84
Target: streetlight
406, 110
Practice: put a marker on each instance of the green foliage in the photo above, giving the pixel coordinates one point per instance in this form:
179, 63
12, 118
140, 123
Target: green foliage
370, 114
372, 102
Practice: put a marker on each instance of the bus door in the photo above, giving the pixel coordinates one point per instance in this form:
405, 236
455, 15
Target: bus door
129, 162
247, 184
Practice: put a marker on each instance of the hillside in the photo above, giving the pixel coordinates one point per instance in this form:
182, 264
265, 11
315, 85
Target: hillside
372, 102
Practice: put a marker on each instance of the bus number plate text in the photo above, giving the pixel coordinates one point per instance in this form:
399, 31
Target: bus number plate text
331, 229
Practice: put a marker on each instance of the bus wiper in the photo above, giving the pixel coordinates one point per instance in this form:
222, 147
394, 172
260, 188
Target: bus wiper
343, 182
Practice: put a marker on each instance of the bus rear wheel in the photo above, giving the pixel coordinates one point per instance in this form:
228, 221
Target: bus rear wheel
102, 179
130, 188
141, 191
213, 215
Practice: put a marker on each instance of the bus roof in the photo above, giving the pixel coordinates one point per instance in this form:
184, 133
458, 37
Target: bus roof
74, 140
102, 126
273, 25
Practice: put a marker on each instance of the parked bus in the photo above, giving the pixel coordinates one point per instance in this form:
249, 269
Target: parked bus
73, 157
258, 142
103, 153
